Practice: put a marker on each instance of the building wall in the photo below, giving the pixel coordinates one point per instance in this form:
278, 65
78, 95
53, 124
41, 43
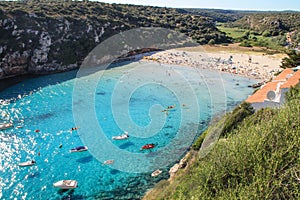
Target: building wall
265, 104
283, 91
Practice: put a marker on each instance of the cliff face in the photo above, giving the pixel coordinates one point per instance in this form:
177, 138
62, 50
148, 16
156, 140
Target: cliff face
41, 38
36, 43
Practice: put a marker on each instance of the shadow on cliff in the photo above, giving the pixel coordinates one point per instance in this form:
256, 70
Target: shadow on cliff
25, 84
22, 85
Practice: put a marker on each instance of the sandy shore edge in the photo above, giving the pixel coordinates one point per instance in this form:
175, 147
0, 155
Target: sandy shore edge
248, 62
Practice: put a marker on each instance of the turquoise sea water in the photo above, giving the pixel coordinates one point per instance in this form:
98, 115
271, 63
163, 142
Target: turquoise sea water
130, 98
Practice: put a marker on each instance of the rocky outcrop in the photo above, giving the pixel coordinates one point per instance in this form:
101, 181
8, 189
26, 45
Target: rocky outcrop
34, 43
181, 165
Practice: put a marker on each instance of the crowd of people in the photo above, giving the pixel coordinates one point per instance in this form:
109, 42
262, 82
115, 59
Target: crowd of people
237, 64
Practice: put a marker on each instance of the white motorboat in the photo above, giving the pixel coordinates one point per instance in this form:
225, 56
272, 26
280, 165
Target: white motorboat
5, 126
121, 137
66, 184
79, 149
27, 163
156, 173
4, 102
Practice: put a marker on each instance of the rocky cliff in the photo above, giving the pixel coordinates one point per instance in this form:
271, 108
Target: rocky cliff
41, 38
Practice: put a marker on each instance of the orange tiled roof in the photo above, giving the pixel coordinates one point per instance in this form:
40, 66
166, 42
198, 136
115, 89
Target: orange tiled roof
283, 74
294, 80
261, 94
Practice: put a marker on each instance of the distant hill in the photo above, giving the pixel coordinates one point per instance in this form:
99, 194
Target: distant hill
218, 15
276, 30
275, 23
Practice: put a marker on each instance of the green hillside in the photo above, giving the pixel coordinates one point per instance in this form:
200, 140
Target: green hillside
258, 159
275, 23
268, 29
271, 29
218, 15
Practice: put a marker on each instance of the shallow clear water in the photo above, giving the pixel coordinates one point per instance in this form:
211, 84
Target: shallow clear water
130, 98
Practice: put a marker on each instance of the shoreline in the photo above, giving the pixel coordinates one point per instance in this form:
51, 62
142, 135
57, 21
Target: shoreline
250, 64
229, 59
10, 81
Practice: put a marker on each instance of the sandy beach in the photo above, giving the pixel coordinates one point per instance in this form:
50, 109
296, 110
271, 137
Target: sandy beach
243, 61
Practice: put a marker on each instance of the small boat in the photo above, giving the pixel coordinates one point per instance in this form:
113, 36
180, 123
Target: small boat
5, 126
4, 102
66, 184
256, 85
108, 162
27, 163
148, 146
79, 149
156, 173
171, 107
121, 137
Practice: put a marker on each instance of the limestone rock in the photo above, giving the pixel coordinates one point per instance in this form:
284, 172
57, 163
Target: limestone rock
174, 169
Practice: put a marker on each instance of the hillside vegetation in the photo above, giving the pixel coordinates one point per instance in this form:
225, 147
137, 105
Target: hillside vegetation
129, 16
218, 15
268, 29
270, 23
258, 159
292, 60
271, 29
51, 36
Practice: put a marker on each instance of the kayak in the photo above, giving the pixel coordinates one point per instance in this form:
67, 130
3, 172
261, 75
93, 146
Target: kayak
148, 146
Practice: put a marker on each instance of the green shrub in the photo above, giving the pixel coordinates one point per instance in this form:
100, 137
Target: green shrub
197, 144
254, 33
266, 33
211, 42
293, 94
246, 35
245, 43
292, 60
233, 119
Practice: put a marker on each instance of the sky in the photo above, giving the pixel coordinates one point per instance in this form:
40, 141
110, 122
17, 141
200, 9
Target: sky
222, 4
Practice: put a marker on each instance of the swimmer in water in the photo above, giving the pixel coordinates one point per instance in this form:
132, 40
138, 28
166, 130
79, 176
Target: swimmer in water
74, 128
